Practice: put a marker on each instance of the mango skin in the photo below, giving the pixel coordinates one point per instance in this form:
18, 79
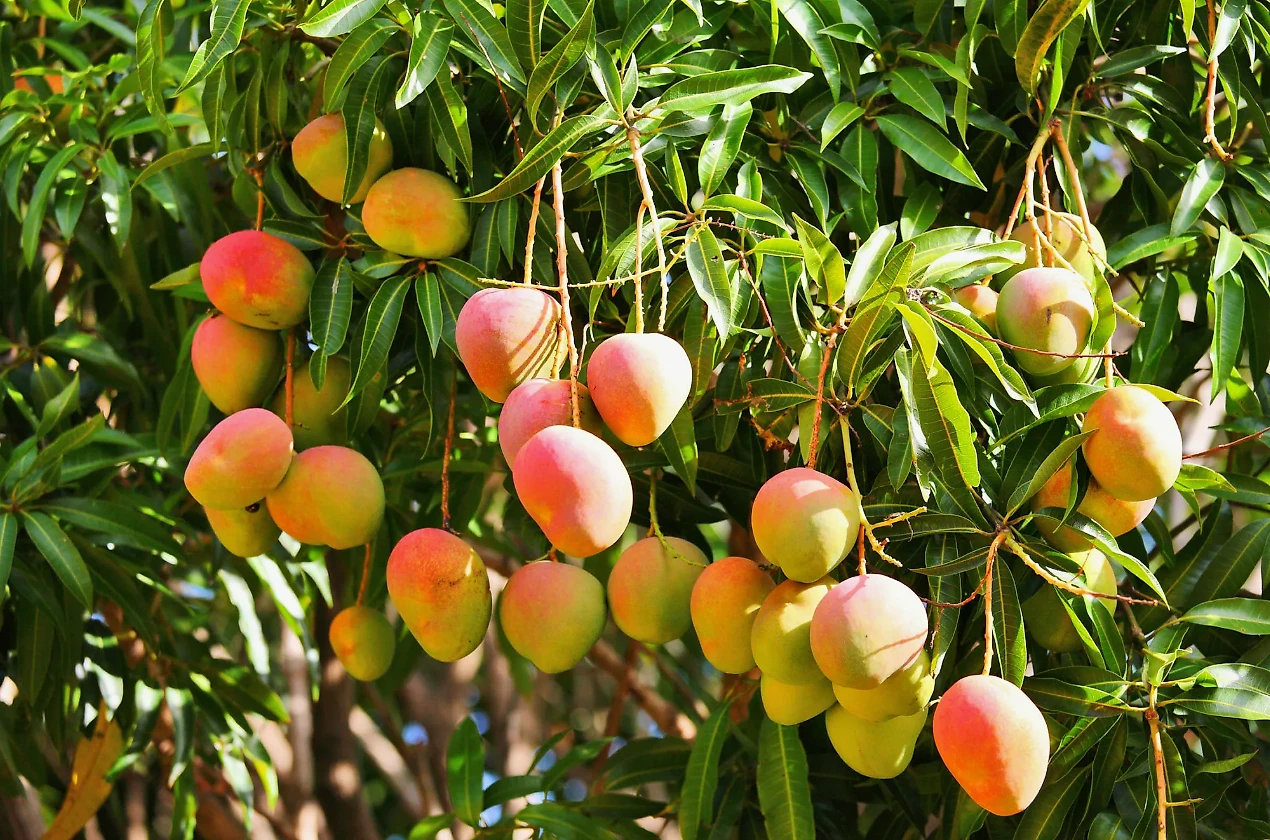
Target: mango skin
552, 614
440, 587
1135, 451
538, 403
790, 705
1047, 309
317, 419
320, 155
241, 460
1046, 619
417, 213
1082, 370
1117, 516
639, 382
650, 589
994, 741
246, 531
258, 279
331, 496
1066, 230
866, 629
876, 749
781, 636
236, 365
725, 601
507, 336
980, 301
575, 487
904, 693
805, 522
363, 641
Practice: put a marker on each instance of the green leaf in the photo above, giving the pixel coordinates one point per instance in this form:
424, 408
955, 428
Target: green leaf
701, 777
558, 60
1144, 243
117, 196
1250, 616
524, 28
538, 161
1228, 324
783, 791
645, 760
352, 54
945, 424
867, 264
33, 221
872, 313
1054, 460
61, 554
730, 87
824, 262
840, 118
1230, 248
975, 336
171, 159
910, 86
1044, 818
428, 297
1125, 62
64, 404
430, 37
360, 123
1232, 14
722, 145
561, 822
679, 442
331, 305
743, 208
805, 19
150, 55
930, 149
1205, 180
710, 277
1007, 625
1043, 29
920, 210
378, 331
465, 771
8, 539
124, 523
228, 19
450, 115
478, 23
340, 17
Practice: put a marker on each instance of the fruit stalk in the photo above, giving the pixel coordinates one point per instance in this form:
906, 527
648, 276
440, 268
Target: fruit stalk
533, 226
1067, 586
826, 355
1157, 756
987, 601
1210, 92
445, 457
646, 189
562, 269
361, 587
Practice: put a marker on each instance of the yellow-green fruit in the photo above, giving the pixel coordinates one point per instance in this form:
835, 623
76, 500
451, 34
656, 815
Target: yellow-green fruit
805, 522
792, 704
1065, 235
981, 302
906, 692
1135, 450
1118, 517
781, 636
363, 641
866, 629
236, 365
639, 382
332, 496
417, 213
1047, 620
877, 749
245, 532
318, 418
1084, 369
242, 459
440, 587
650, 588
320, 155
725, 601
552, 614
1048, 310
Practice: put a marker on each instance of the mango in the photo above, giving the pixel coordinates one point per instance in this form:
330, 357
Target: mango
332, 496
245, 532
1047, 620
1065, 235
317, 418
1084, 369
866, 629
650, 588
552, 614
904, 693
791, 705
236, 365
725, 601
877, 749
258, 279
639, 382
1047, 309
508, 336
805, 522
994, 741
1135, 451
320, 155
440, 587
363, 641
781, 636
981, 302
242, 459
417, 213
1116, 516
538, 403
575, 487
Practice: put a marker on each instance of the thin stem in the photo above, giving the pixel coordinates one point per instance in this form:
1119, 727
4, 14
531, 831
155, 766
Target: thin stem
361, 587
826, 355
1229, 445
654, 527
1029, 175
1157, 755
879, 546
289, 383
533, 227
566, 317
984, 336
1068, 586
646, 190
987, 601
1210, 94
260, 198
445, 458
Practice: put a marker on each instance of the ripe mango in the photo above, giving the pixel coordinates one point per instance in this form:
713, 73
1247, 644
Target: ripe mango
1116, 516
781, 637
417, 213
805, 522
538, 403
1047, 309
866, 629
1043, 613
317, 419
332, 496
1135, 451
363, 641
650, 588
552, 614
440, 587
980, 301
793, 704
320, 155
904, 693
725, 601
507, 336
242, 459
877, 749
1065, 235
258, 279
236, 365
246, 531
639, 382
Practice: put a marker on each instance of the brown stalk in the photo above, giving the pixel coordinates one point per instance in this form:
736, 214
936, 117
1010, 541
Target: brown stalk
562, 269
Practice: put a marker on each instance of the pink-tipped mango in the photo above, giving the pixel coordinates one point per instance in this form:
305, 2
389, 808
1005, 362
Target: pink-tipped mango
980, 301
1117, 516
805, 522
332, 496
320, 155
1135, 451
876, 749
866, 629
508, 336
1066, 234
538, 403
904, 693
363, 641
242, 459
440, 587
1046, 618
790, 705
417, 213
639, 382
552, 614
317, 417
781, 636
994, 741
725, 601
258, 279
245, 532
1048, 310
236, 365
575, 487
650, 588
